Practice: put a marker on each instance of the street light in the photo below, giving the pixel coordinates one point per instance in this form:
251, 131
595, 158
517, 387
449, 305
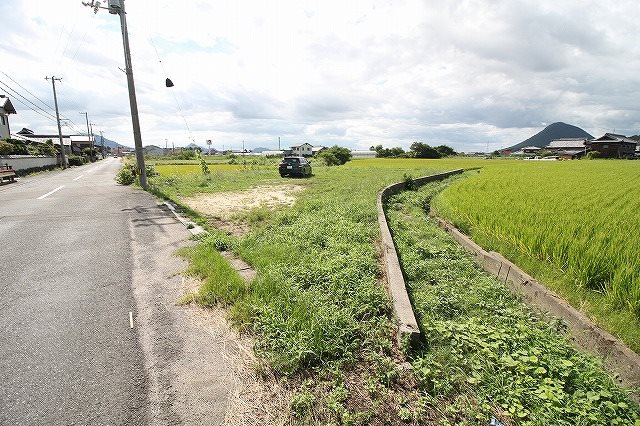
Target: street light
116, 7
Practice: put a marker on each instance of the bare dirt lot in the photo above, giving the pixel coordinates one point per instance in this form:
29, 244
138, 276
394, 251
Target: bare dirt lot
224, 205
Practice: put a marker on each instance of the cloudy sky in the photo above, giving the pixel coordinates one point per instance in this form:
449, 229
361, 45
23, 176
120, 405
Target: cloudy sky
470, 74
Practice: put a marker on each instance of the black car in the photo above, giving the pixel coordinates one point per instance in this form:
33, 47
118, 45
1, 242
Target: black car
294, 166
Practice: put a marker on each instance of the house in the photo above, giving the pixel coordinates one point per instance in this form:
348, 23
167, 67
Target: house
153, 150
302, 150
6, 108
363, 154
568, 148
612, 145
316, 149
80, 142
29, 135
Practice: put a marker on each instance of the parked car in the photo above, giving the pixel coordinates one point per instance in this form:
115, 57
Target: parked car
294, 166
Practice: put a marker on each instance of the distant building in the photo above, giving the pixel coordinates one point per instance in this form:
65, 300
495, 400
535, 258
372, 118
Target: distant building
612, 145
80, 142
568, 148
29, 135
317, 149
528, 150
269, 153
6, 108
302, 150
363, 154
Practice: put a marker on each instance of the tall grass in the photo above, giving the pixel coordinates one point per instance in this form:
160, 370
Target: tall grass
582, 216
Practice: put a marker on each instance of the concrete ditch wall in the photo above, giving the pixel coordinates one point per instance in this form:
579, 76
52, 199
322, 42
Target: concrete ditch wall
584, 333
408, 330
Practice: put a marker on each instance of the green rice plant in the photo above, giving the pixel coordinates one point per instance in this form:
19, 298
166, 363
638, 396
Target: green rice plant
579, 218
486, 354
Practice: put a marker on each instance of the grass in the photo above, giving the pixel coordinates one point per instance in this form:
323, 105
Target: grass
570, 224
321, 318
486, 354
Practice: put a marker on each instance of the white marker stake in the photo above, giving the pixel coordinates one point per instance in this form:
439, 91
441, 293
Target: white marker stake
51, 192
130, 319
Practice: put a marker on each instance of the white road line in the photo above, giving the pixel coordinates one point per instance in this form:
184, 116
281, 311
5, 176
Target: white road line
130, 319
79, 177
51, 192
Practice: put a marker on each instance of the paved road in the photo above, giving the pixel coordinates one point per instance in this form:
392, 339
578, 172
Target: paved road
77, 254
67, 352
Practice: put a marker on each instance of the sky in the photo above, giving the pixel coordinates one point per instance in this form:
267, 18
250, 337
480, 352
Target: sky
474, 75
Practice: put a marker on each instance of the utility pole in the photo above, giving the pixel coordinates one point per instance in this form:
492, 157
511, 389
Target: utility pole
91, 138
55, 101
102, 144
86, 117
278, 143
116, 7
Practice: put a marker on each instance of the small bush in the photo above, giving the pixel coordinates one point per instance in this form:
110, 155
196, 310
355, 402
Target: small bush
75, 160
592, 155
126, 175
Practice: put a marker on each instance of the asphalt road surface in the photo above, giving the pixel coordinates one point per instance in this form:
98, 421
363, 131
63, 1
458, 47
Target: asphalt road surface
81, 259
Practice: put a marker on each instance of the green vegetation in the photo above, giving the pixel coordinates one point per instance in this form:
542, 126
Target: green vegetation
128, 173
18, 147
570, 224
335, 156
486, 354
322, 321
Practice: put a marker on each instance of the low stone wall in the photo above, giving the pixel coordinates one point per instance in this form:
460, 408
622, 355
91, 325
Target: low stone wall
408, 330
26, 162
584, 333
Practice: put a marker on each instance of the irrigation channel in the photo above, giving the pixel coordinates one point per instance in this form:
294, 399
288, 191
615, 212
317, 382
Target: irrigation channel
616, 356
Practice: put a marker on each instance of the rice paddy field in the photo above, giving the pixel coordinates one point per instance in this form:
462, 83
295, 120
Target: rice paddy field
575, 225
323, 324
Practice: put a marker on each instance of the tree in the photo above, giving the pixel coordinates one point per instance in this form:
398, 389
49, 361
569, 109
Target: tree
445, 151
421, 150
336, 155
388, 152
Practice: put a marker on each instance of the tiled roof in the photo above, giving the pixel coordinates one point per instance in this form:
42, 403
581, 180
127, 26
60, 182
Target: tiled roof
567, 143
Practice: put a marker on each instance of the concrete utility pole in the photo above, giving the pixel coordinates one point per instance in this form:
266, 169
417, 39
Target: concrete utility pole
102, 144
86, 117
63, 156
91, 137
116, 7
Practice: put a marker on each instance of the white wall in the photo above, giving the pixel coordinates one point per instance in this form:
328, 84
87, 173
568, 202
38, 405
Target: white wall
4, 126
22, 162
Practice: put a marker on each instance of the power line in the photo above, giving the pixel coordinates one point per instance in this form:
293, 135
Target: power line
38, 109
16, 93
27, 90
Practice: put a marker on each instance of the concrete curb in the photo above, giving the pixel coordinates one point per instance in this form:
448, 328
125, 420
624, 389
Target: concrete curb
408, 330
191, 226
584, 333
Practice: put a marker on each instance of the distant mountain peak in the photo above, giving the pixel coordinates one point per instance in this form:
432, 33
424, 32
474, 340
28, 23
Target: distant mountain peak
557, 130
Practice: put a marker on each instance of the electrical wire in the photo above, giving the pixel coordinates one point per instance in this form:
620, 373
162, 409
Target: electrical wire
41, 111
180, 110
27, 90
26, 103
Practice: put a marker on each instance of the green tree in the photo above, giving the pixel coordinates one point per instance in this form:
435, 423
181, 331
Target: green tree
341, 154
445, 151
422, 150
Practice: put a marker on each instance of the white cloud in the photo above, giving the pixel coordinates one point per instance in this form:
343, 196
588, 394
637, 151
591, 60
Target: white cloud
469, 74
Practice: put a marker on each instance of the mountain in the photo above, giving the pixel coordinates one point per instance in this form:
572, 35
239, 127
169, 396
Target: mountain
552, 131
109, 143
